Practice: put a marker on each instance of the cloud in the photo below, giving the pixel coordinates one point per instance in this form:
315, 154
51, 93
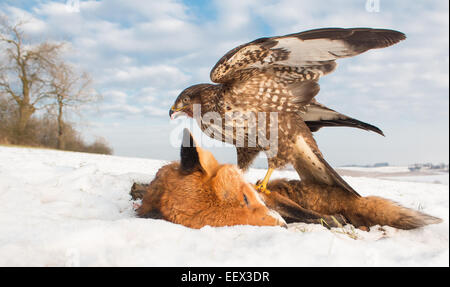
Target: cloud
155, 111
117, 97
120, 110
142, 54
33, 26
156, 76
146, 102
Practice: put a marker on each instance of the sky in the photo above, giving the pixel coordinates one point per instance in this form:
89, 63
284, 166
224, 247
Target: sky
142, 54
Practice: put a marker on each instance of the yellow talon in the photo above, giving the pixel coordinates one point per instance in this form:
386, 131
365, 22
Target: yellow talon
323, 223
262, 187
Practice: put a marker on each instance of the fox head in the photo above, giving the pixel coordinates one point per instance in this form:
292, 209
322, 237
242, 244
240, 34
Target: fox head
235, 200
198, 191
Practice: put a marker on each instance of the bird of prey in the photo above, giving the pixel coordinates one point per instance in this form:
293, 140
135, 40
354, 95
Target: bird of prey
280, 74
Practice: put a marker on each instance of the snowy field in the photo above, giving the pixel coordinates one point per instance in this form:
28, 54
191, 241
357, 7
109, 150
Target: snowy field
74, 209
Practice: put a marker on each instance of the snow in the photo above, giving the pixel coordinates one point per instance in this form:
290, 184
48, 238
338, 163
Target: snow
401, 173
74, 209
438, 177
384, 169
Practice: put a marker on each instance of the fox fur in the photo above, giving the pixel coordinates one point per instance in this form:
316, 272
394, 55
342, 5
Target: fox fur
198, 191
359, 211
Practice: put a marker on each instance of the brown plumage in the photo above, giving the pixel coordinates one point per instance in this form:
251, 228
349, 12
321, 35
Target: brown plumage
280, 74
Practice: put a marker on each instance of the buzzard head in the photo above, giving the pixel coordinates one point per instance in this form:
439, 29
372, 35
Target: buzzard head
184, 104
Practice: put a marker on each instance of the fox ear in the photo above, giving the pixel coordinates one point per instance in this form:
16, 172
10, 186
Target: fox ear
207, 161
195, 158
190, 161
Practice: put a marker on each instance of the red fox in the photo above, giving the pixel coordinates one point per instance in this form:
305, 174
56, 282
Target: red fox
198, 191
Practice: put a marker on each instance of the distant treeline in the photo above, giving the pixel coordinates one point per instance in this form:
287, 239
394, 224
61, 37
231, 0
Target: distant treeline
43, 132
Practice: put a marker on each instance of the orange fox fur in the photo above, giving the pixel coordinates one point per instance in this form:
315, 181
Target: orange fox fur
198, 191
361, 211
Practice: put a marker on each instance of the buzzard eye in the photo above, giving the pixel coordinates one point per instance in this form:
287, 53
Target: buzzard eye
185, 100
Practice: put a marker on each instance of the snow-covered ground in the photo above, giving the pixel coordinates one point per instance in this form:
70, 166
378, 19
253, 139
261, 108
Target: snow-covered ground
384, 169
64, 209
401, 173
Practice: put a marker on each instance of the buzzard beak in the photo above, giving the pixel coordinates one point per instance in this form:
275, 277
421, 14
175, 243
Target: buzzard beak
174, 113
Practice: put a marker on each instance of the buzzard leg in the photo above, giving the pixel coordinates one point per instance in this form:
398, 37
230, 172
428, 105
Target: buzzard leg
262, 186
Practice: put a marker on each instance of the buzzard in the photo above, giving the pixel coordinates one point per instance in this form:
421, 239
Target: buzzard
280, 75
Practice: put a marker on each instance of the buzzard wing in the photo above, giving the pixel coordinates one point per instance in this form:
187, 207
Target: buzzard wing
314, 51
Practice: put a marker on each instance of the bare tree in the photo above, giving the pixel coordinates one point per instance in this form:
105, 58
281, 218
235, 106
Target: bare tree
24, 70
70, 89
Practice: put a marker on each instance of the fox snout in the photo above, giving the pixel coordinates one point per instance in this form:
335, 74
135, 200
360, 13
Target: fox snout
256, 211
269, 217
260, 213
242, 198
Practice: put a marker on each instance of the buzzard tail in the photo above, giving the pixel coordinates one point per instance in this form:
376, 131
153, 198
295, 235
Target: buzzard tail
318, 116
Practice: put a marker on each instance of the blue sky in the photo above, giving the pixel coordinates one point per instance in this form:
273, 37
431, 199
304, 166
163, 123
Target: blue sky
141, 54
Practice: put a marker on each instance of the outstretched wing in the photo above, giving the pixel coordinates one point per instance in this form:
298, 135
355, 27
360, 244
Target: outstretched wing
314, 51
317, 116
